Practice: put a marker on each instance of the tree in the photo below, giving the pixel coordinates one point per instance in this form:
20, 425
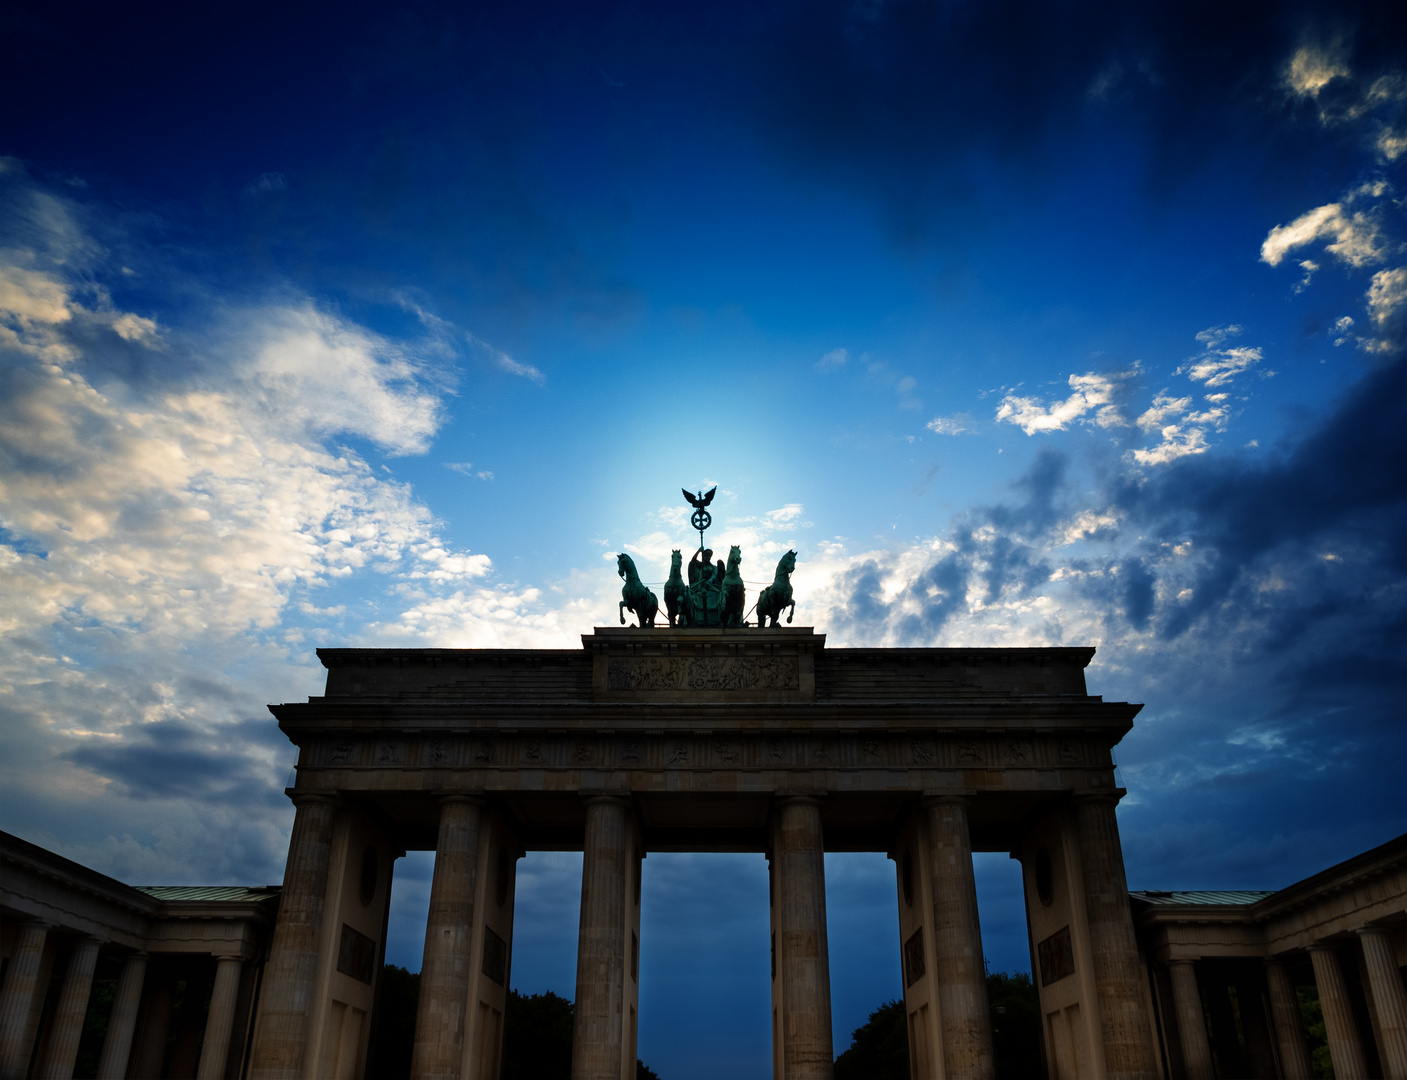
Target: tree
879, 1049
1015, 1008
537, 1037
393, 1027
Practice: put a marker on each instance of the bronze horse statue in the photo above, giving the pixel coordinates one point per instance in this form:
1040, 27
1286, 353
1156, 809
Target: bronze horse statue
643, 604
778, 594
674, 588
734, 592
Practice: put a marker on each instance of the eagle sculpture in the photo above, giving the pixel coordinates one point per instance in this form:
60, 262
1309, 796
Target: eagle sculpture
695, 501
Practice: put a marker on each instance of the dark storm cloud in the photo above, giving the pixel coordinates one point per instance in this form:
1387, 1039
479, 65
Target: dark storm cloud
173, 758
1257, 602
1341, 485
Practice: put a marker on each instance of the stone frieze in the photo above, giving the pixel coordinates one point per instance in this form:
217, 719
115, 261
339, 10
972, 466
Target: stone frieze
703, 673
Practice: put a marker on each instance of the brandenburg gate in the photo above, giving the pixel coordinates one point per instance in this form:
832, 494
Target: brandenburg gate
702, 738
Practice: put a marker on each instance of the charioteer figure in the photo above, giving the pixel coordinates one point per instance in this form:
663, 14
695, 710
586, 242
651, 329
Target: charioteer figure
716, 595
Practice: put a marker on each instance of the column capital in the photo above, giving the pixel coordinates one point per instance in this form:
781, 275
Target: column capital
1109, 797
1181, 962
798, 800
469, 799
313, 798
947, 800
229, 953
593, 798
1371, 931
1322, 947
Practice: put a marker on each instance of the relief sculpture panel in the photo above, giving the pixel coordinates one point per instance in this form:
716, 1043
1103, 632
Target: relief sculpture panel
704, 673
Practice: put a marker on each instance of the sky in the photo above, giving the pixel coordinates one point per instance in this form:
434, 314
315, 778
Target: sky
1023, 324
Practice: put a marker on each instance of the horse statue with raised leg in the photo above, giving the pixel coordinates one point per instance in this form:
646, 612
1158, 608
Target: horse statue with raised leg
778, 594
643, 604
734, 591
674, 589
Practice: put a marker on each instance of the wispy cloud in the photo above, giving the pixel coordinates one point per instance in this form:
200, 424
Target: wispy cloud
467, 468
1093, 399
832, 360
957, 424
449, 332
1217, 366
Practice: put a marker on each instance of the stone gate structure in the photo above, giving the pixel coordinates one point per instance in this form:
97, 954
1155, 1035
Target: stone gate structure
702, 740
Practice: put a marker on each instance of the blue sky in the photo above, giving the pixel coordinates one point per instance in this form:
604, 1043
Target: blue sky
1022, 324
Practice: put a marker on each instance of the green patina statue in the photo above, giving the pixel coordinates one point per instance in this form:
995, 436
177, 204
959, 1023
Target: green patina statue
642, 603
778, 594
716, 595
674, 588
734, 592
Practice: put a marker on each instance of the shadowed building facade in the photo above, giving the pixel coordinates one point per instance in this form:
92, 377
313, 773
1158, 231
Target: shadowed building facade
705, 740
186, 962
1227, 970
750, 740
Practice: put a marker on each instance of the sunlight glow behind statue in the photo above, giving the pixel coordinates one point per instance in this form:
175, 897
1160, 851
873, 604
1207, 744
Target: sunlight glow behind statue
716, 594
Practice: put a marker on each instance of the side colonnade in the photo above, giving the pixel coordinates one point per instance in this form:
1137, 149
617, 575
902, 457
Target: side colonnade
73, 936
1235, 972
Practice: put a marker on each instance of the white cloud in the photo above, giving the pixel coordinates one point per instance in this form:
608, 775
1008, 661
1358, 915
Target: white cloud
31, 296
1387, 308
328, 376
1386, 295
1091, 393
1392, 143
1354, 238
467, 468
1217, 366
832, 360
957, 424
1162, 410
1313, 67
161, 535
1085, 524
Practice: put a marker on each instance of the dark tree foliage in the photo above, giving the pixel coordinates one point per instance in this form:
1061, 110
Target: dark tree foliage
1016, 1025
537, 1032
880, 1049
90, 1044
393, 1030
537, 1037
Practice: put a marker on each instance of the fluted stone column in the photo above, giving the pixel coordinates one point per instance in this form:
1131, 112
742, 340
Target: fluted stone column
438, 1051
804, 951
1123, 1020
219, 1021
1191, 1025
959, 973
117, 1046
1389, 999
1289, 1029
293, 956
1344, 1047
600, 960
67, 1026
17, 998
